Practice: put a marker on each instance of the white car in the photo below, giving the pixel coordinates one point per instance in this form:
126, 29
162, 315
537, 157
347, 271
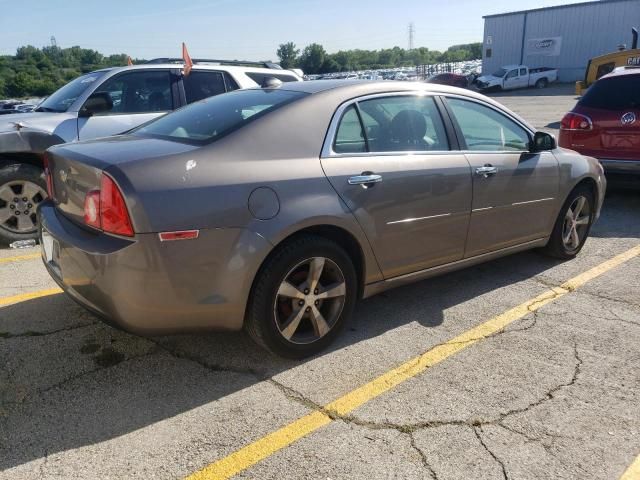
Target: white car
99, 104
511, 77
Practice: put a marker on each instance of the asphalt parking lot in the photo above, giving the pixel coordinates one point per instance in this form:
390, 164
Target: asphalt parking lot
521, 368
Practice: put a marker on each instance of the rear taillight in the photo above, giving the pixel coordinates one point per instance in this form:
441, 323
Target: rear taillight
576, 122
47, 175
106, 209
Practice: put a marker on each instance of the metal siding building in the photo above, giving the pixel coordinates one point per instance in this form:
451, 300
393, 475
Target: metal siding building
582, 30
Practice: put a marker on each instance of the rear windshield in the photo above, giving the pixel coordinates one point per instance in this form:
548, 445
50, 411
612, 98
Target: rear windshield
61, 99
615, 93
210, 119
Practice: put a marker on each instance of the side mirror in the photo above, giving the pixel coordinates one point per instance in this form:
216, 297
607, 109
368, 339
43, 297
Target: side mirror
542, 142
97, 103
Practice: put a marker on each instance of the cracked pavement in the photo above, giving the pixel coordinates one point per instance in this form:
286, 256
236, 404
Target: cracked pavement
555, 394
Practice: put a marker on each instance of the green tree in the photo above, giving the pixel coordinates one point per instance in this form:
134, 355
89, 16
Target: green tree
312, 58
288, 54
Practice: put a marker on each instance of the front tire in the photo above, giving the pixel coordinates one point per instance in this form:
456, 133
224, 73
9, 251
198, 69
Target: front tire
302, 297
22, 188
572, 225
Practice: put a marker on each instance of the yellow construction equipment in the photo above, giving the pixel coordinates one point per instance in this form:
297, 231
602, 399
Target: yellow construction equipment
600, 66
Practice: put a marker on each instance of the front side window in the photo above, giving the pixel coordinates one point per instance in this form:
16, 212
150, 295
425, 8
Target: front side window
485, 129
523, 72
201, 85
139, 92
512, 74
210, 119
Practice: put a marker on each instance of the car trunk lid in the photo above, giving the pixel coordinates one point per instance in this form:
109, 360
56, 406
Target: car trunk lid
76, 169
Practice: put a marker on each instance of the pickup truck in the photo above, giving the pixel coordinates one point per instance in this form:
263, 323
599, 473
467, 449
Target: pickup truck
98, 104
518, 76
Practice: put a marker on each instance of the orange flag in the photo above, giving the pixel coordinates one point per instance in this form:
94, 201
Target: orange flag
129, 62
187, 60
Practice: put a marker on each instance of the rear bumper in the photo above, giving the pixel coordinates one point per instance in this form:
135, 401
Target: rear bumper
151, 287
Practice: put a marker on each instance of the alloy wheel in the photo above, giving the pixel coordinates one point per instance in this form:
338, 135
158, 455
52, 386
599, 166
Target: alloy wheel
18, 203
309, 300
576, 223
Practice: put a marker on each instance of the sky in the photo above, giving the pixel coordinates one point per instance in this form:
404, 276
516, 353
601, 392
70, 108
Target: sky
245, 29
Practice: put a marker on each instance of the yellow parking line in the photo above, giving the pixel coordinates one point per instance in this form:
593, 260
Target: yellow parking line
262, 448
28, 296
633, 472
19, 258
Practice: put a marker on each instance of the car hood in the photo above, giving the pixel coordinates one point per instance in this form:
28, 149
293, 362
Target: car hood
489, 79
119, 150
41, 121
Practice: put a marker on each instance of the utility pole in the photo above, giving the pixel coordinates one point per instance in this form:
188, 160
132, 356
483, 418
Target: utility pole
412, 31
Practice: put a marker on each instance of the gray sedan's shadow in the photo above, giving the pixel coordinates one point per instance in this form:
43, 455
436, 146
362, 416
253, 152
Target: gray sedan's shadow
114, 383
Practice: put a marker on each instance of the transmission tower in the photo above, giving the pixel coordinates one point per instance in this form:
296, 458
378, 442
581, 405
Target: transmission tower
54, 42
412, 31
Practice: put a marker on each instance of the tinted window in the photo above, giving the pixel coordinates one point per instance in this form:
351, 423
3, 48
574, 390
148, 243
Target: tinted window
396, 123
512, 74
485, 129
61, 99
139, 92
231, 83
523, 72
616, 93
210, 119
350, 137
201, 85
259, 77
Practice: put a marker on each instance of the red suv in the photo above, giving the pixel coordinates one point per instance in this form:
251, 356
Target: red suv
605, 123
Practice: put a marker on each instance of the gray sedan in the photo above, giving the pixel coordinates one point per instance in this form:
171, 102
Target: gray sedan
276, 209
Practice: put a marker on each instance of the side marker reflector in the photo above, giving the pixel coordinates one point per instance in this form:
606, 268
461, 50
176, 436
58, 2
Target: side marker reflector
180, 235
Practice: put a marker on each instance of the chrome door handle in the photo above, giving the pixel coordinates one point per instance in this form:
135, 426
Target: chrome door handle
366, 179
486, 171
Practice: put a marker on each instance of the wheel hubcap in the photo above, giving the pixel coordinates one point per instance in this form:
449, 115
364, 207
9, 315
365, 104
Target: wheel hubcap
576, 223
18, 203
309, 300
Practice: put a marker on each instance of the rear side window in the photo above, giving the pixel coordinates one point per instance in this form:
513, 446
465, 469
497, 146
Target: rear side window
350, 136
139, 92
484, 129
259, 77
201, 85
210, 119
615, 93
392, 124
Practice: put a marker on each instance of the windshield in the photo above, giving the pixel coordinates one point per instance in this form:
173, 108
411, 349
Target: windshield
616, 93
500, 73
60, 100
212, 118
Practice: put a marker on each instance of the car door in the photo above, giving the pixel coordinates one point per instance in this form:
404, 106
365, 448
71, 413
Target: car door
390, 159
137, 96
524, 78
514, 191
511, 80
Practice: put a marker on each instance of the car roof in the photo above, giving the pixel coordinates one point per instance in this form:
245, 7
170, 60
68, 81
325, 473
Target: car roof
199, 66
622, 71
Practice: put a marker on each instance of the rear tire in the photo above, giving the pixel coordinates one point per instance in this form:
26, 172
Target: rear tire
573, 224
283, 315
19, 181
542, 83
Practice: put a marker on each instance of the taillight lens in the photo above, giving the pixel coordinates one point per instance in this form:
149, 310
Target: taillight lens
106, 209
47, 175
576, 121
